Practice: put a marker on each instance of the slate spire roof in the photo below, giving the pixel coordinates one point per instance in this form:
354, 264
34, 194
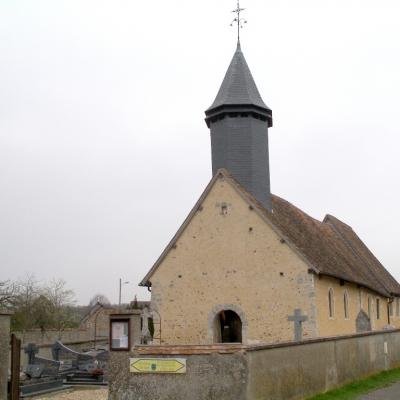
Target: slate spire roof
238, 86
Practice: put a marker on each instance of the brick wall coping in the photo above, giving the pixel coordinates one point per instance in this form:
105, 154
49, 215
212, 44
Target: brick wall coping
318, 340
233, 348
124, 313
188, 349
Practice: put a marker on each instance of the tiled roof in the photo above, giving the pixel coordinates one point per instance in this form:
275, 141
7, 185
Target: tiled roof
332, 247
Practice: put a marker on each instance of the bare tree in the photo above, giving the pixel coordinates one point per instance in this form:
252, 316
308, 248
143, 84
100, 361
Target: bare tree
43, 306
62, 301
7, 294
41, 313
27, 290
99, 298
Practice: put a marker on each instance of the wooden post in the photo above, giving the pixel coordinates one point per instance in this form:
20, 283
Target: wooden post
5, 320
15, 367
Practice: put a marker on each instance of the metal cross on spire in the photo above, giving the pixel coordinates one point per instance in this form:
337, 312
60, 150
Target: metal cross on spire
239, 21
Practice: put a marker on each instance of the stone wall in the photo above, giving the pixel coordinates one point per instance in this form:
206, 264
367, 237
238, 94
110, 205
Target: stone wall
4, 352
50, 336
286, 371
201, 382
301, 370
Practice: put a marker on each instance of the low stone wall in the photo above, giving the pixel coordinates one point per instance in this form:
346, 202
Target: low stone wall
286, 371
50, 336
302, 370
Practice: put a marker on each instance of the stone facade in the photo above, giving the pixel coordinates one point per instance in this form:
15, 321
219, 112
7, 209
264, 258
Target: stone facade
230, 259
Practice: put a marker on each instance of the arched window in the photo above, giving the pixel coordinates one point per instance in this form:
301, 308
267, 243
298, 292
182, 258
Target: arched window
378, 309
391, 309
228, 327
346, 304
369, 307
398, 307
331, 303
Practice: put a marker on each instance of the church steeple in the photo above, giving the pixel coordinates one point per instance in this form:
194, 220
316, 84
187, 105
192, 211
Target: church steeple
238, 89
239, 120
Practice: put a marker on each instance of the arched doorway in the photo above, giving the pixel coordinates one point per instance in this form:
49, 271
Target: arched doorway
228, 327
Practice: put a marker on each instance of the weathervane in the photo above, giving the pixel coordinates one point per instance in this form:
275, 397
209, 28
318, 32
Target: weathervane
240, 21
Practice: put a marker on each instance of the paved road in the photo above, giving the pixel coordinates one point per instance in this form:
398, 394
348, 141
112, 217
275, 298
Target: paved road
389, 393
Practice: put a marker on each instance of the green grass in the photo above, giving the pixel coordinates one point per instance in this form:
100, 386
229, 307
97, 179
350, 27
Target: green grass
355, 389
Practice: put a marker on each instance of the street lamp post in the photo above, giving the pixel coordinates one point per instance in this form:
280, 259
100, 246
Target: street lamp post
120, 290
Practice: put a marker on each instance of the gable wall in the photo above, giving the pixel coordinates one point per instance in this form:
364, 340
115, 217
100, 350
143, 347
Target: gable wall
100, 319
358, 299
220, 263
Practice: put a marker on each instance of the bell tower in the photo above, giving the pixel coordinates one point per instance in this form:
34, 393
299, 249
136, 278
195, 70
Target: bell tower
238, 121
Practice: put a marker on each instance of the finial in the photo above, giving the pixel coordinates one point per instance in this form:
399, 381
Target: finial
239, 21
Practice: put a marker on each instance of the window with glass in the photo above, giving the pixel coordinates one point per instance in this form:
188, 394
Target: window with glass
346, 305
119, 334
369, 307
331, 303
378, 309
398, 307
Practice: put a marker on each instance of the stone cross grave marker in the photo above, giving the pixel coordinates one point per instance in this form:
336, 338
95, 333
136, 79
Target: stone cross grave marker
31, 349
55, 350
298, 319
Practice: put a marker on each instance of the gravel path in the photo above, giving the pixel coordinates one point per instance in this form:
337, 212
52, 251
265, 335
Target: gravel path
85, 394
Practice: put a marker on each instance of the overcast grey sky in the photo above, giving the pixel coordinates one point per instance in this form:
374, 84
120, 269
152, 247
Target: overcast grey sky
103, 146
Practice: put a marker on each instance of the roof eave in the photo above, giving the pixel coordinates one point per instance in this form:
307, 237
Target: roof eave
382, 293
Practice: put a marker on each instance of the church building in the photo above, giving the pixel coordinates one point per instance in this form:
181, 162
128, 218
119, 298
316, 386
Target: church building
246, 264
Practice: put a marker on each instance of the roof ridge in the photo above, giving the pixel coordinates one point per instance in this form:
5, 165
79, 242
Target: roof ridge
329, 217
